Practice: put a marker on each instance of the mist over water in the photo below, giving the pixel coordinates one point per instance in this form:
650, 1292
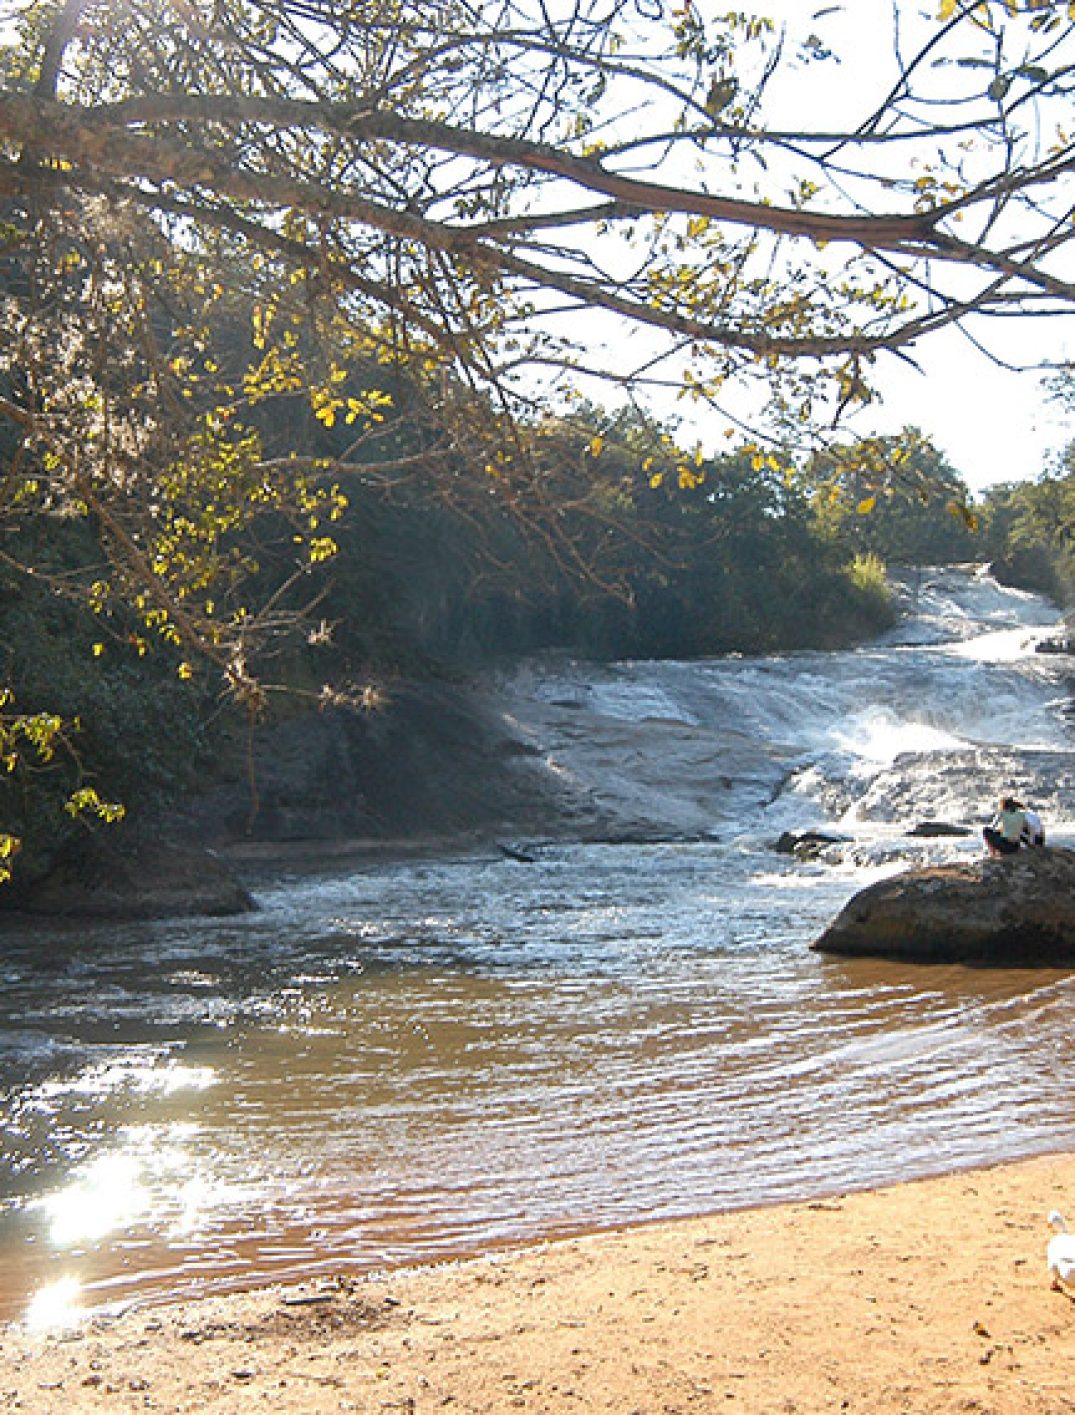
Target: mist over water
417, 1059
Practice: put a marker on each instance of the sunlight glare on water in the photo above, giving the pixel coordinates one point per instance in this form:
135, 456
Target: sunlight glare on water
109, 1195
1001, 646
55, 1306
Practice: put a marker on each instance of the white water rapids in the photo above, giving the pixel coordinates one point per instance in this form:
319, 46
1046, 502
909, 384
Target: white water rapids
409, 1060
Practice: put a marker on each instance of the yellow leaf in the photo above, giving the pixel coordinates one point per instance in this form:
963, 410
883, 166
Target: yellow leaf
596, 446
322, 548
947, 9
866, 505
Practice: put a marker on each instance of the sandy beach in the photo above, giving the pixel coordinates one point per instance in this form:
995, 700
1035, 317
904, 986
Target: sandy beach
931, 1296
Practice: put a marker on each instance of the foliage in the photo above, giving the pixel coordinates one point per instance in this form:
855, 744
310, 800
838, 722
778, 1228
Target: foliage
29, 742
110, 730
733, 562
1030, 530
897, 497
868, 574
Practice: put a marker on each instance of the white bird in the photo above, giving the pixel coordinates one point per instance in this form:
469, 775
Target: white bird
1060, 1254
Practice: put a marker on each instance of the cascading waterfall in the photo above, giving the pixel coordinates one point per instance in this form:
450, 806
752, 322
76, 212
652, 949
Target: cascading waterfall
932, 722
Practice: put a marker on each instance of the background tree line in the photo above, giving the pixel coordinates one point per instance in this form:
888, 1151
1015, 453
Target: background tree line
1030, 526
655, 553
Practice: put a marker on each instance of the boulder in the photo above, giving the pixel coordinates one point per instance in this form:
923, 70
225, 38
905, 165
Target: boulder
1009, 911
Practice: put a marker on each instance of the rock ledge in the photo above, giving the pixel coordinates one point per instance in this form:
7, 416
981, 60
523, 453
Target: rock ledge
102, 878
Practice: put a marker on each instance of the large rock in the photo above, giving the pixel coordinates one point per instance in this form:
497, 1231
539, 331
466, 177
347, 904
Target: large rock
437, 761
1010, 910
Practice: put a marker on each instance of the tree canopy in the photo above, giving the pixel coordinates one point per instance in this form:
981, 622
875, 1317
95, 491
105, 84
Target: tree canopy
463, 180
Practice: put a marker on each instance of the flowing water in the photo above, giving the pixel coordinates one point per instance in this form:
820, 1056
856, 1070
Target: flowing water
413, 1060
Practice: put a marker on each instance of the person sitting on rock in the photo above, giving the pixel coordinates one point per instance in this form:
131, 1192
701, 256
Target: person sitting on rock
1004, 833
1033, 831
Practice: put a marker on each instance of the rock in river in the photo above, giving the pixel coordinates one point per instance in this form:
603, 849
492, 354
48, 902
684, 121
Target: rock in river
1009, 910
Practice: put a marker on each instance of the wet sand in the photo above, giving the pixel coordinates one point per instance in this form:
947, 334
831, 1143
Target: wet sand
931, 1296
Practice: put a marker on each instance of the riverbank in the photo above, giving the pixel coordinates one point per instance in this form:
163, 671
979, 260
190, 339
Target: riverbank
928, 1296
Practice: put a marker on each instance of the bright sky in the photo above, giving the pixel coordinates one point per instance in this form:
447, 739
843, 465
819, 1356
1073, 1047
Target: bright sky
993, 424
990, 417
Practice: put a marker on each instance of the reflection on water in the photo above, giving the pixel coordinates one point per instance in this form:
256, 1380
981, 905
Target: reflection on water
107, 1196
57, 1304
423, 1059
420, 1059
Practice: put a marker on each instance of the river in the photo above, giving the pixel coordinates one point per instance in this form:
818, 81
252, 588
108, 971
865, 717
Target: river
405, 1061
